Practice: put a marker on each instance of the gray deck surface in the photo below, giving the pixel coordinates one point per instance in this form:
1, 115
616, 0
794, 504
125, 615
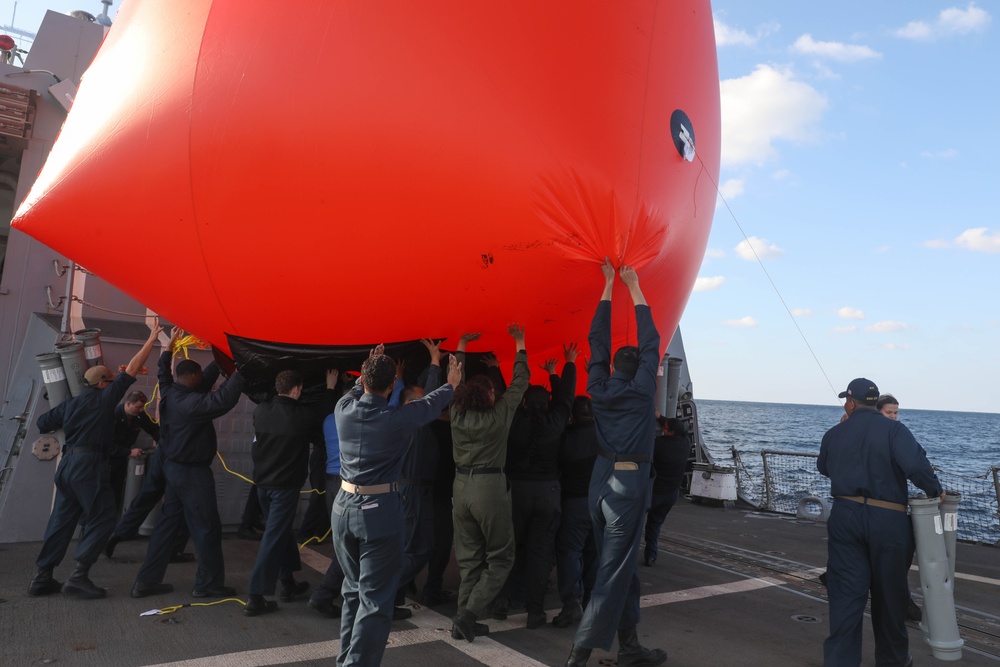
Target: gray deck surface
731, 588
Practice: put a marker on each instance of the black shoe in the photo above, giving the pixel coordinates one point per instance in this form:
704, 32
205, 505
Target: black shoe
909, 661
570, 614
182, 557
432, 597
221, 592
79, 585
465, 625
632, 654
258, 605
43, 584
109, 548
247, 533
143, 590
913, 612
536, 620
401, 613
650, 560
326, 608
500, 609
481, 629
292, 589
822, 578
578, 657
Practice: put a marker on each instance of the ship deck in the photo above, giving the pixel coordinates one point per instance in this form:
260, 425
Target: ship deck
732, 587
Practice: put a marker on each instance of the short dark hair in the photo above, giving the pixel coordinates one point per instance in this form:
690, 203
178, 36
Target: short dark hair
285, 381
626, 360
583, 410
378, 373
136, 396
536, 398
474, 394
188, 367
884, 400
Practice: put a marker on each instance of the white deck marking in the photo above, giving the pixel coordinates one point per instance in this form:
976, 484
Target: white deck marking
969, 577
432, 626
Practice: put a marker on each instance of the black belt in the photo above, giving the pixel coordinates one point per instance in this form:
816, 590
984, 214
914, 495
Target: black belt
477, 471
82, 449
630, 458
416, 482
333, 477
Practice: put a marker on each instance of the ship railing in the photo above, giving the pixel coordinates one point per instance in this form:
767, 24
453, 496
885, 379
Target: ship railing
781, 479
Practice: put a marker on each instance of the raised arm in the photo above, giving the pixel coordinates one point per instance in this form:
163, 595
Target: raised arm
507, 404
164, 367
463, 341
494, 373
137, 362
599, 338
648, 337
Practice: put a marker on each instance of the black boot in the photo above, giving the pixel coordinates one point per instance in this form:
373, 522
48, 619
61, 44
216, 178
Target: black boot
43, 583
632, 654
79, 584
258, 604
578, 657
465, 624
291, 589
571, 614
109, 548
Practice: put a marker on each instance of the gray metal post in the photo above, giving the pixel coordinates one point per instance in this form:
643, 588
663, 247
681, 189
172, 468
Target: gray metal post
949, 520
75, 364
768, 485
940, 623
54, 376
673, 385
134, 478
661, 385
91, 339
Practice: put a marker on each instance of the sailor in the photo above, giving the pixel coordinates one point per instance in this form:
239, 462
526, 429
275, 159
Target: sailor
533, 470
130, 418
283, 428
623, 399
671, 450
187, 437
868, 459
576, 554
367, 519
484, 531
82, 483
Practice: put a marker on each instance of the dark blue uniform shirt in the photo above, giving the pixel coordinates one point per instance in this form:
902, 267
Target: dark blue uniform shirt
872, 456
127, 431
88, 420
623, 405
373, 434
187, 434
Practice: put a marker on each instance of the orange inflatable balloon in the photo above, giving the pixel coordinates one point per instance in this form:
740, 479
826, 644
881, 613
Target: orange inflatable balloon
385, 171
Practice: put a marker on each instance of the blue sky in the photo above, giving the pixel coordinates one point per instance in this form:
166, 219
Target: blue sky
859, 157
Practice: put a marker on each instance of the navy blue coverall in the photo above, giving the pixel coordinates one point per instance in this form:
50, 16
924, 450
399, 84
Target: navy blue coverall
620, 483
368, 529
188, 443
83, 487
869, 547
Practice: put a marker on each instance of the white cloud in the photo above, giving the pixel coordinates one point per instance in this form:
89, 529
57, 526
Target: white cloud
888, 326
754, 248
802, 312
732, 188
845, 329
728, 36
781, 174
882, 249
845, 53
950, 22
742, 322
979, 239
895, 346
766, 106
714, 253
849, 313
708, 284
946, 154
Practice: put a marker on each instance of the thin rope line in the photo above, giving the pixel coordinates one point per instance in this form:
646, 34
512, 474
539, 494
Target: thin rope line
769, 279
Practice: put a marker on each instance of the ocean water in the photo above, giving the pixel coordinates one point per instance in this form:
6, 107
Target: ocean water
963, 446
963, 443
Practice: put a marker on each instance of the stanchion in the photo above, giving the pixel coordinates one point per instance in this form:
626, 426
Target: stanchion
936, 579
